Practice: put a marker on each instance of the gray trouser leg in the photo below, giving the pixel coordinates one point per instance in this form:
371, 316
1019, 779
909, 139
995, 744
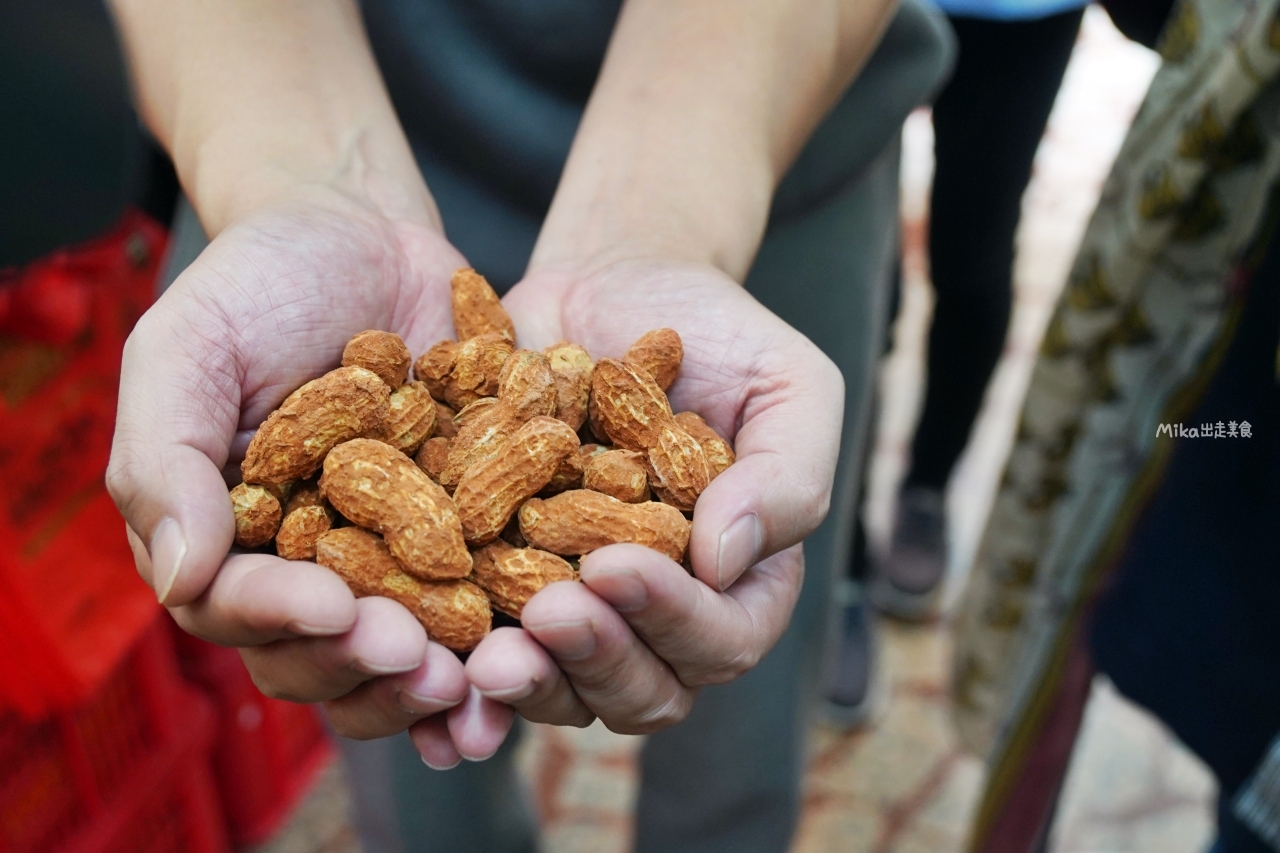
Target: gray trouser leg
728, 778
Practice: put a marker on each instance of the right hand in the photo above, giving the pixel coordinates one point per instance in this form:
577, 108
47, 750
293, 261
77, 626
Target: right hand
266, 307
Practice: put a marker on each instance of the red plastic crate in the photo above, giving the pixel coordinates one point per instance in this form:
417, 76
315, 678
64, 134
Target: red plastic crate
125, 772
267, 753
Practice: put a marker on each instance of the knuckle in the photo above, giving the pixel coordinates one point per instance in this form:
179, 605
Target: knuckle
674, 709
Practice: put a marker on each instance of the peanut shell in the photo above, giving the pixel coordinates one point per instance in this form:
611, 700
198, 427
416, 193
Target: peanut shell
479, 439
477, 309
659, 353
445, 426
511, 576
491, 491
455, 614
618, 473
476, 369
528, 385
380, 488
384, 353
719, 452
433, 456
578, 522
296, 539
678, 468
292, 442
572, 367
434, 366
632, 409
411, 417
471, 409
257, 515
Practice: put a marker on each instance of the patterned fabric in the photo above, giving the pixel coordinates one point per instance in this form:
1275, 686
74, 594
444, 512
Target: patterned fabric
1148, 308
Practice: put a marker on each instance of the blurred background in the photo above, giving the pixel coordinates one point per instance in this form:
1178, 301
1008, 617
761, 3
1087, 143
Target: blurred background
116, 734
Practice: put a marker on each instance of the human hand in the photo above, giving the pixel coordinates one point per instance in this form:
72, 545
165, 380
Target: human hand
633, 642
268, 306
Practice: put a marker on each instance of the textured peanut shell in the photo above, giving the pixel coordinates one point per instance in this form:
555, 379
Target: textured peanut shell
719, 452
659, 353
433, 367
528, 385
445, 426
281, 491
455, 613
618, 473
578, 522
678, 468
572, 367
306, 493
479, 439
491, 491
292, 443
411, 417
476, 308
433, 456
471, 409
296, 539
511, 576
257, 515
476, 369
384, 353
632, 409
568, 475
378, 487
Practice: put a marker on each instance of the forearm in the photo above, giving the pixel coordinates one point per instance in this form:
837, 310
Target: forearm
699, 110
257, 99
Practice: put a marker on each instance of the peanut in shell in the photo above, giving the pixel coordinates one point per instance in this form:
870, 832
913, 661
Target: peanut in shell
299, 532
383, 353
678, 468
618, 473
528, 385
411, 417
631, 408
379, 488
511, 576
659, 353
434, 366
257, 515
572, 367
477, 309
719, 452
476, 368
292, 442
580, 521
433, 456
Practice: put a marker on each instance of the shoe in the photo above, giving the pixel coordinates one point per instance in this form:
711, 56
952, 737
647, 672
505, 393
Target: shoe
907, 580
854, 691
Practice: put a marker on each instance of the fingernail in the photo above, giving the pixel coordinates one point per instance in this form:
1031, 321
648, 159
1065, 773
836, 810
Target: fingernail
507, 695
305, 630
416, 703
168, 550
739, 549
567, 640
628, 591
442, 766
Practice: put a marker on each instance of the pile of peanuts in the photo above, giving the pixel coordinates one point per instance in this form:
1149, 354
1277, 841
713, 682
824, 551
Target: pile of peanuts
469, 489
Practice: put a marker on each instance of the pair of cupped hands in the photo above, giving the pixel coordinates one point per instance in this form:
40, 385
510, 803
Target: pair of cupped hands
270, 304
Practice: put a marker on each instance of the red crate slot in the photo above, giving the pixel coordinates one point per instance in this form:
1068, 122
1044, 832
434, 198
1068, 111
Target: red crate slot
117, 768
267, 753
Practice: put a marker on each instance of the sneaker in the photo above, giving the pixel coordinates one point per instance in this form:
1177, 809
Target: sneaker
907, 580
854, 691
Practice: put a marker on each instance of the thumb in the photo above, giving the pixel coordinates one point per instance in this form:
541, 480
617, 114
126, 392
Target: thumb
177, 415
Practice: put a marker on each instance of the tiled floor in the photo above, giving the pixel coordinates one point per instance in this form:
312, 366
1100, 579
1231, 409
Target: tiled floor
904, 785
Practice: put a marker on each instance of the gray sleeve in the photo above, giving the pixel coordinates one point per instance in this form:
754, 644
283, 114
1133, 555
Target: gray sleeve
1257, 804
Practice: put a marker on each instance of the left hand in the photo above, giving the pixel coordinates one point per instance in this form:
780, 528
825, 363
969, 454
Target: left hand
635, 640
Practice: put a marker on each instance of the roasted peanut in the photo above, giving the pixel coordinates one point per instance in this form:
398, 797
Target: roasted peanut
411, 417
631, 408
659, 353
292, 442
433, 456
305, 493
578, 522
572, 367
678, 468
445, 426
618, 473
511, 576
296, 539
492, 490
719, 453
455, 614
476, 369
477, 309
257, 515
380, 488
528, 385
384, 353
460, 419
433, 367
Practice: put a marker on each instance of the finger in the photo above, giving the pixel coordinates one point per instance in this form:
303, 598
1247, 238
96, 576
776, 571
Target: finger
479, 725
385, 706
178, 409
509, 666
704, 636
779, 489
615, 675
385, 640
258, 598
434, 744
